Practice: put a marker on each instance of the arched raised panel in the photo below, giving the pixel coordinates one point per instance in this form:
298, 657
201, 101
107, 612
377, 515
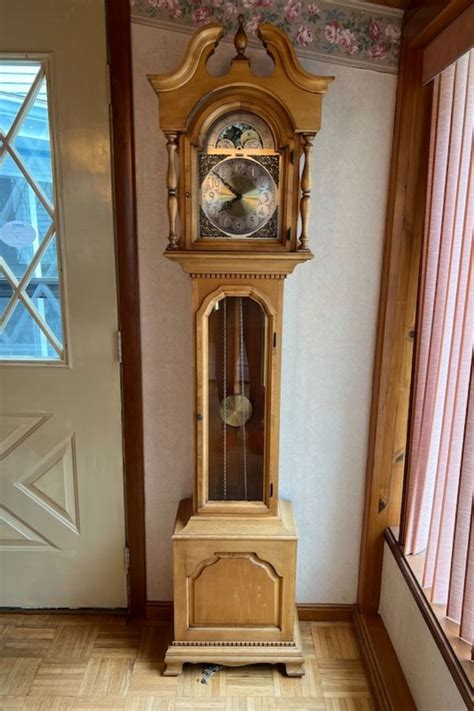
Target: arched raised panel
235, 589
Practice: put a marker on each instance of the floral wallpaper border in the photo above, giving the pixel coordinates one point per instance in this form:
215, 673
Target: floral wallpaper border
347, 32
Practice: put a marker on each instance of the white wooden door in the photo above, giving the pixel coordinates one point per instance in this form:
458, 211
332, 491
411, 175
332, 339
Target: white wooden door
62, 530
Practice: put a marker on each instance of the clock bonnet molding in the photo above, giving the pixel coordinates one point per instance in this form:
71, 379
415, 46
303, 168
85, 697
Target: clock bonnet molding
338, 31
192, 103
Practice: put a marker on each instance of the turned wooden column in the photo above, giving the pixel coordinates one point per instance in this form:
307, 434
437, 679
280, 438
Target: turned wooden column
306, 184
172, 185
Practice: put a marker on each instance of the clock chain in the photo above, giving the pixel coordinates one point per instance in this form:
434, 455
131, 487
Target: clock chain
224, 437
224, 401
242, 392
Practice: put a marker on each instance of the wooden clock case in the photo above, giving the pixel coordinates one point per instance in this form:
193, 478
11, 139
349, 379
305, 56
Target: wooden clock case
235, 560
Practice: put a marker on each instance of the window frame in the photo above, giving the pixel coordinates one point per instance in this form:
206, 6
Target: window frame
390, 414
47, 59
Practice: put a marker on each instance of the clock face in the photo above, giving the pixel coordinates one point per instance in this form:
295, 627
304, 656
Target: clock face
238, 196
240, 130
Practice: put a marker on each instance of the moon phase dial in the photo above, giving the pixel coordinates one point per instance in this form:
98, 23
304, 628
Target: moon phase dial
238, 197
242, 130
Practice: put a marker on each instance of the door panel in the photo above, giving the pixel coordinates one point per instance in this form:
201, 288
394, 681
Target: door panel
62, 530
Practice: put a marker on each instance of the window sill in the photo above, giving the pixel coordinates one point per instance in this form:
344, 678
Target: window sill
450, 628
453, 663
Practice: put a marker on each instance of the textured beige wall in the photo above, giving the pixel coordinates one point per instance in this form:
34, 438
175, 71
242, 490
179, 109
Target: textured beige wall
330, 321
425, 670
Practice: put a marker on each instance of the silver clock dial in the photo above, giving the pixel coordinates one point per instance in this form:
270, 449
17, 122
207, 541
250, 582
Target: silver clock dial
238, 196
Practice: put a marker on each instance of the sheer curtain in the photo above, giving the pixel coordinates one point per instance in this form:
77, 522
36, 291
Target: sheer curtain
439, 507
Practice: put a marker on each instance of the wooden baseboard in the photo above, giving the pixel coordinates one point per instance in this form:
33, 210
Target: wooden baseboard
159, 610
386, 677
162, 611
321, 612
63, 611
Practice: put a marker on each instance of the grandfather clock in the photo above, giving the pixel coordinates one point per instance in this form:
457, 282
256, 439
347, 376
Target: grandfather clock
239, 165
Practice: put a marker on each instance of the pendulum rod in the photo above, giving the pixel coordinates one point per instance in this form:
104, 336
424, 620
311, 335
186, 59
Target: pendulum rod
224, 434
242, 392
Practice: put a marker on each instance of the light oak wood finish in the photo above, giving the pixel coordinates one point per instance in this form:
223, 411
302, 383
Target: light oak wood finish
162, 611
135, 682
332, 641
289, 100
172, 185
239, 579
235, 265
181, 91
305, 204
255, 552
238, 654
235, 559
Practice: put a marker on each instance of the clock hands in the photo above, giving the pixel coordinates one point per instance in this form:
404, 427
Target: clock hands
229, 186
244, 200
239, 198
228, 204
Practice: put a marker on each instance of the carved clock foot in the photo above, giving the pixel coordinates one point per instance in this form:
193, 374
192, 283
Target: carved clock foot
173, 669
294, 669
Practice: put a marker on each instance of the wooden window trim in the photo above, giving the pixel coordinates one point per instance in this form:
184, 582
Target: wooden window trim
452, 661
398, 295
123, 164
449, 45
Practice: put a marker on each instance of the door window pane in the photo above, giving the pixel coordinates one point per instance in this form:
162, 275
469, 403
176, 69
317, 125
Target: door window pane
236, 414
31, 318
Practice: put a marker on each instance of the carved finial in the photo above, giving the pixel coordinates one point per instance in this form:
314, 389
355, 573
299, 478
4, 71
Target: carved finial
240, 39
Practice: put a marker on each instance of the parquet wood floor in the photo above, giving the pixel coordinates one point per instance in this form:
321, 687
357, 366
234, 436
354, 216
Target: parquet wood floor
101, 662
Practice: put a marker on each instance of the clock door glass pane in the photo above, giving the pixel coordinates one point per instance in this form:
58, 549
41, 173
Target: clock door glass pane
236, 415
239, 198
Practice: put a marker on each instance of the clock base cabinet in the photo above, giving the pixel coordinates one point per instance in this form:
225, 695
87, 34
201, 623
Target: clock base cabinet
234, 590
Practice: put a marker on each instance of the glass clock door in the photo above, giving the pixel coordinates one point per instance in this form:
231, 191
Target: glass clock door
236, 400
239, 176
